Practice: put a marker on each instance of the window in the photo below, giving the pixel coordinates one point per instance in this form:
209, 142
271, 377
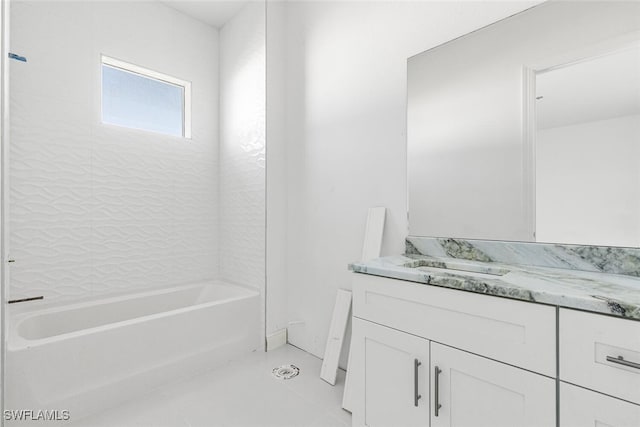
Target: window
139, 98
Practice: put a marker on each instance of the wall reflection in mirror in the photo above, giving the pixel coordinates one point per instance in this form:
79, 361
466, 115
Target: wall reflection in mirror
587, 144
529, 129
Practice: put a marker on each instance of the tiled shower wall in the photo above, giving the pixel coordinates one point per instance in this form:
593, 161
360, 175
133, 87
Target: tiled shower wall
242, 148
97, 209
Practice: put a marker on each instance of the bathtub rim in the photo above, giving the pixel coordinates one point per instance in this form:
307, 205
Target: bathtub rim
17, 342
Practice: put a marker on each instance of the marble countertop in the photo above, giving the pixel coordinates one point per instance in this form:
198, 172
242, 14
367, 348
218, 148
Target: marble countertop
585, 290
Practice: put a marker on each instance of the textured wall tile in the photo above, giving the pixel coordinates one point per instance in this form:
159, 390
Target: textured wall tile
242, 151
55, 38
242, 148
98, 209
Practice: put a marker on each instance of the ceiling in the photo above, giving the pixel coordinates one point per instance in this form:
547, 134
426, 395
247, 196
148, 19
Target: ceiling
597, 89
212, 12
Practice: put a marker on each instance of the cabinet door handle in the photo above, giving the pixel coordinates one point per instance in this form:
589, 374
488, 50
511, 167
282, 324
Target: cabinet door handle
620, 361
436, 391
416, 395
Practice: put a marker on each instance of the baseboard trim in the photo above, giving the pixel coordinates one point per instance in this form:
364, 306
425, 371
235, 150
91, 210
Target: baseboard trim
276, 339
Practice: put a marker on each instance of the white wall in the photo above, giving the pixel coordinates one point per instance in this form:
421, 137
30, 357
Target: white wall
588, 182
242, 149
99, 209
345, 74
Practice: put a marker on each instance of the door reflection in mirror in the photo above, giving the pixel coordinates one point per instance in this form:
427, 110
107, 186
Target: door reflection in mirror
588, 127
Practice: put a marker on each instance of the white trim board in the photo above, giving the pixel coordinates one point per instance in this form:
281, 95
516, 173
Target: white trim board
371, 249
373, 233
276, 339
335, 340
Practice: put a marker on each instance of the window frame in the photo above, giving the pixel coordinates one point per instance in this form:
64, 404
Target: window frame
155, 75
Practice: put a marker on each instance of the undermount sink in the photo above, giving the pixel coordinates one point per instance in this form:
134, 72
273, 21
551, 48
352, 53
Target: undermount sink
458, 266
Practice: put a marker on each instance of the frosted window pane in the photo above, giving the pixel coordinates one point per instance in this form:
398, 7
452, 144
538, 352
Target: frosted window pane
140, 102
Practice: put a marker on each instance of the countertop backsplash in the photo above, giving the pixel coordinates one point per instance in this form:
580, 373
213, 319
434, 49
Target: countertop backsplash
599, 279
604, 259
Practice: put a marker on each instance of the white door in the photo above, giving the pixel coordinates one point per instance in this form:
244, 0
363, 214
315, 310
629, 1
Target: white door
473, 391
580, 407
390, 377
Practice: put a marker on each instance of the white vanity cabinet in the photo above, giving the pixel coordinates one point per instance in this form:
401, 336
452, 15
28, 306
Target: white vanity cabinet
391, 376
599, 370
514, 332
580, 407
403, 331
601, 353
473, 391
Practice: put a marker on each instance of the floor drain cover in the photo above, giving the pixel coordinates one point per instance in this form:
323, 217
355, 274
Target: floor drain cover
285, 372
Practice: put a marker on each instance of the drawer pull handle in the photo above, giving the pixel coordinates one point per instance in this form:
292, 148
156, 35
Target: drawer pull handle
620, 361
437, 404
416, 395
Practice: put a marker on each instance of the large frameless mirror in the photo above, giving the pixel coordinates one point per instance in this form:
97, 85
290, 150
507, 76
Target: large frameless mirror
529, 129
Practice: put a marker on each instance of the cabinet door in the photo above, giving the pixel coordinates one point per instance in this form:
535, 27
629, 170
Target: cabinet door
477, 392
580, 407
390, 370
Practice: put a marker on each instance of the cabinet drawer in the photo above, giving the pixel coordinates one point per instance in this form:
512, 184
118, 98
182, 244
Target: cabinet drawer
580, 407
514, 332
587, 340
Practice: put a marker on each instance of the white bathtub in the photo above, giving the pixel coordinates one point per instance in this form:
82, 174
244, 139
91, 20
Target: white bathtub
89, 356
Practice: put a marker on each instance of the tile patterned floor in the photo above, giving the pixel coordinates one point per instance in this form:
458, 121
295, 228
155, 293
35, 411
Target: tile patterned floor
240, 394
